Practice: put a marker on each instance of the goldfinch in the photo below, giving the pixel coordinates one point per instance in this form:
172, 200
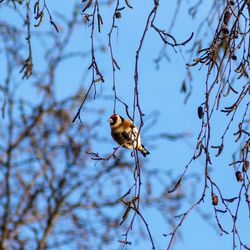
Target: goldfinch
124, 132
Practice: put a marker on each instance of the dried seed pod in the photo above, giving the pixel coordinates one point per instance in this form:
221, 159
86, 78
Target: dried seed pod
215, 199
87, 5
234, 57
125, 215
220, 148
238, 176
245, 166
184, 87
200, 112
227, 16
118, 14
235, 35
100, 22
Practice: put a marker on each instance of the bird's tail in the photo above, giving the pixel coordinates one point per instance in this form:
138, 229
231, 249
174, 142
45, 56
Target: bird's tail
143, 150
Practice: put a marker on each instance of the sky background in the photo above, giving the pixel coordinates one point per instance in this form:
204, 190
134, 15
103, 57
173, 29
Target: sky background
159, 92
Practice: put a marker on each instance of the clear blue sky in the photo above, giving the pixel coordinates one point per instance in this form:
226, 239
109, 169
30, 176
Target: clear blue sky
159, 92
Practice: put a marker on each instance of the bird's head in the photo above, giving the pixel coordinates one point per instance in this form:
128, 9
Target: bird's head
115, 120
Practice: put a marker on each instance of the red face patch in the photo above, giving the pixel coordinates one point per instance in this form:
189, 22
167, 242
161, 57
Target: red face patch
113, 119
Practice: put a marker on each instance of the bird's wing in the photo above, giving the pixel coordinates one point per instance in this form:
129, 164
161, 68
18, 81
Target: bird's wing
134, 133
126, 135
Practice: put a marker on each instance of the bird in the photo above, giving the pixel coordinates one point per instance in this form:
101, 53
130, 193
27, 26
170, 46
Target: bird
125, 133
